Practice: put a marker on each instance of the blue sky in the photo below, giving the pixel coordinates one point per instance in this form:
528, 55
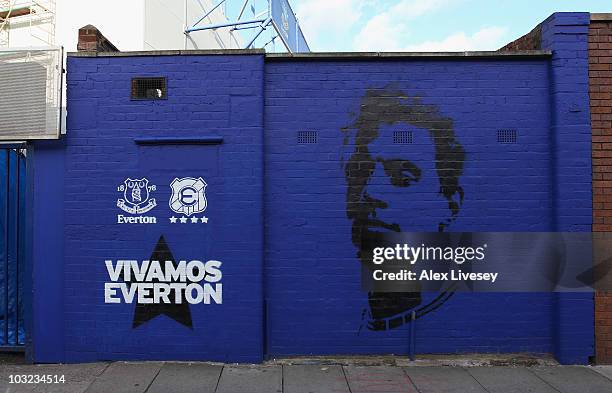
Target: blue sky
425, 25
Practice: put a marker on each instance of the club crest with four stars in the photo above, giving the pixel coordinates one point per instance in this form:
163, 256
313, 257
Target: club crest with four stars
188, 196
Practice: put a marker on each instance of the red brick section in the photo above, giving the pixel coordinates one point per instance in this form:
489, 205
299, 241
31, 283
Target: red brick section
91, 40
530, 41
600, 81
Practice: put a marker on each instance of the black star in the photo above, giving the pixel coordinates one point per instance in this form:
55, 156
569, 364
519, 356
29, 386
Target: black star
179, 312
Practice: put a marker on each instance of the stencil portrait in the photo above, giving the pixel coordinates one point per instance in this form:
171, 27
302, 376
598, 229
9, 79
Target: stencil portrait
388, 190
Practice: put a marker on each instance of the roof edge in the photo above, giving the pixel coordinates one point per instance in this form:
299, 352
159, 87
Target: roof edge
322, 55
600, 17
370, 55
187, 52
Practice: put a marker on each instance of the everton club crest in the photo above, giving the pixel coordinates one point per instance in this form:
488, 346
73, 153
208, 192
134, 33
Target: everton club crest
188, 198
136, 196
136, 201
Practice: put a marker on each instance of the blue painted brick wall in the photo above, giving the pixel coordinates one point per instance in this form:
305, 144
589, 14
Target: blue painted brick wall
207, 96
278, 208
308, 235
566, 34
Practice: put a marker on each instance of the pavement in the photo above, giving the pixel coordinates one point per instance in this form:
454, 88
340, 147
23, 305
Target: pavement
309, 376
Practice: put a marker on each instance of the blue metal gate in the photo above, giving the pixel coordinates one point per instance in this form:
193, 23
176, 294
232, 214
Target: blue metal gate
12, 253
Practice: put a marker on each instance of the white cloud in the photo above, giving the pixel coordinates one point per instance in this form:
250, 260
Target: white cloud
379, 35
410, 9
488, 38
328, 23
387, 30
323, 19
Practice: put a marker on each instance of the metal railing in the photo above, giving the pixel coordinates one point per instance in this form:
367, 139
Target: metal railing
12, 198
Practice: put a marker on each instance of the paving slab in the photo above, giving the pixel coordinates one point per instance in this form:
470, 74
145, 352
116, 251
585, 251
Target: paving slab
573, 379
314, 379
122, 377
606, 371
509, 380
78, 377
251, 379
5, 387
7, 370
443, 380
186, 378
378, 379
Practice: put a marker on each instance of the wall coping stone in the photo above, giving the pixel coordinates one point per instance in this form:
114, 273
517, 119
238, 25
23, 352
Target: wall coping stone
321, 55
601, 17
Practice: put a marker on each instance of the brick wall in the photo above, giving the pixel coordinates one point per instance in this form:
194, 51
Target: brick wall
530, 41
507, 188
566, 35
92, 40
216, 96
308, 233
311, 277
600, 81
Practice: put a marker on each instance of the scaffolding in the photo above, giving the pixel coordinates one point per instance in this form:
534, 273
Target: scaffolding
5, 14
275, 14
37, 16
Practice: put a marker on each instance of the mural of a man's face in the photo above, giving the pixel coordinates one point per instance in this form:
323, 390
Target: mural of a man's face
382, 183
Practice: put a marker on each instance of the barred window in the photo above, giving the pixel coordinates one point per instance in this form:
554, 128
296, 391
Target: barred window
149, 89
